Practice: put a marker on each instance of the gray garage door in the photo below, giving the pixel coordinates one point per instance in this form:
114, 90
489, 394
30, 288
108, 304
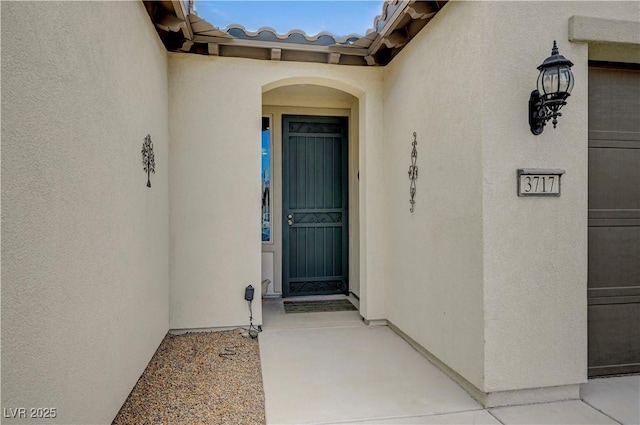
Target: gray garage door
614, 219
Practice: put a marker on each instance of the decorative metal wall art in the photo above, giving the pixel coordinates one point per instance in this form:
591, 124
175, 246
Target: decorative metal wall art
413, 173
148, 158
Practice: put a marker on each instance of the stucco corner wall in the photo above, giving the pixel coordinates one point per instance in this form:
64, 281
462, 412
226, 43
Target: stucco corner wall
214, 192
535, 249
84, 241
434, 283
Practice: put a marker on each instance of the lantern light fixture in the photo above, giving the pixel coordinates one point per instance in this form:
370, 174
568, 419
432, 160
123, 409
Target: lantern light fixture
555, 83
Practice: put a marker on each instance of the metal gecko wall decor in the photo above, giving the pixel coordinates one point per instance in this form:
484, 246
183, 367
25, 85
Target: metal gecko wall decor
413, 173
148, 158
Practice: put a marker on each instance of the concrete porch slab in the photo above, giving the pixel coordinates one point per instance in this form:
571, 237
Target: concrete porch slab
330, 368
476, 417
275, 318
572, 412
617, 397
343, 374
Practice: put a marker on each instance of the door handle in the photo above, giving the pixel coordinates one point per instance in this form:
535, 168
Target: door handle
290, 219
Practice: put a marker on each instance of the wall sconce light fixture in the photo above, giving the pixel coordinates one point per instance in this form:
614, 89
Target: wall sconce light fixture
555, 83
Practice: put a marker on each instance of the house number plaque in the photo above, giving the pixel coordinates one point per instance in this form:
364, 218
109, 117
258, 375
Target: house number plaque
537, 182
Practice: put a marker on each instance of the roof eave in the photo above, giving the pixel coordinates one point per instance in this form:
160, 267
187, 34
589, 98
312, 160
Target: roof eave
183, 31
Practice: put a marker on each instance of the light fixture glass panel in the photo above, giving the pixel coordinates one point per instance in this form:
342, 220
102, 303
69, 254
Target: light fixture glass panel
539, 85
566, 80
550, 81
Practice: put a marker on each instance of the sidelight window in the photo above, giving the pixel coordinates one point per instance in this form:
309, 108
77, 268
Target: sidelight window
266, 180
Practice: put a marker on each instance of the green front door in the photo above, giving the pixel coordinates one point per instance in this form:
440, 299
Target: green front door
315, 232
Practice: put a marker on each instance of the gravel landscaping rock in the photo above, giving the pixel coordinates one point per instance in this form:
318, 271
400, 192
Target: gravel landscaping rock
199, 378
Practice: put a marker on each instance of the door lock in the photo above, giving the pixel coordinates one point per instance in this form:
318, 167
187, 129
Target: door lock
290, 219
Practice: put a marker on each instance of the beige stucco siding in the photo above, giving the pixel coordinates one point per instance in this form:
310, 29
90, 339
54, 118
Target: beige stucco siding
84, 242
491, 284
216, 105
535, 249
434, 283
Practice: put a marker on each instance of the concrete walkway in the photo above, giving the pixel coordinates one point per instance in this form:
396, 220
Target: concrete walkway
330, 368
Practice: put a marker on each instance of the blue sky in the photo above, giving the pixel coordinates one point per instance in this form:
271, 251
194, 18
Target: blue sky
341, 17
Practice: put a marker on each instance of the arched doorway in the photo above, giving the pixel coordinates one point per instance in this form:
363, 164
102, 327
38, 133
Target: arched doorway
312, 168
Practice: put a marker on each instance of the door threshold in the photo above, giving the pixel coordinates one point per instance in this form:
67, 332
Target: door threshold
317, 297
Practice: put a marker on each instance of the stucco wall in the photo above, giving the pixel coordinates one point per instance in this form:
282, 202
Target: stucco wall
84, 242
216, 105
434, 283
535, 249
492, 284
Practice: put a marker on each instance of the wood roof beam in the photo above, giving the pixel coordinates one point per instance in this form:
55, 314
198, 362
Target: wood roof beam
202, 27
333, 58
389, 26
237, 42
182, 14
396, 39
276, 54
213, 49
421, 10
170, 23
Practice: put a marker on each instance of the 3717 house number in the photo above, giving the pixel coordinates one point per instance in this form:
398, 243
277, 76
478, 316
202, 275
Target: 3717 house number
537, 182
